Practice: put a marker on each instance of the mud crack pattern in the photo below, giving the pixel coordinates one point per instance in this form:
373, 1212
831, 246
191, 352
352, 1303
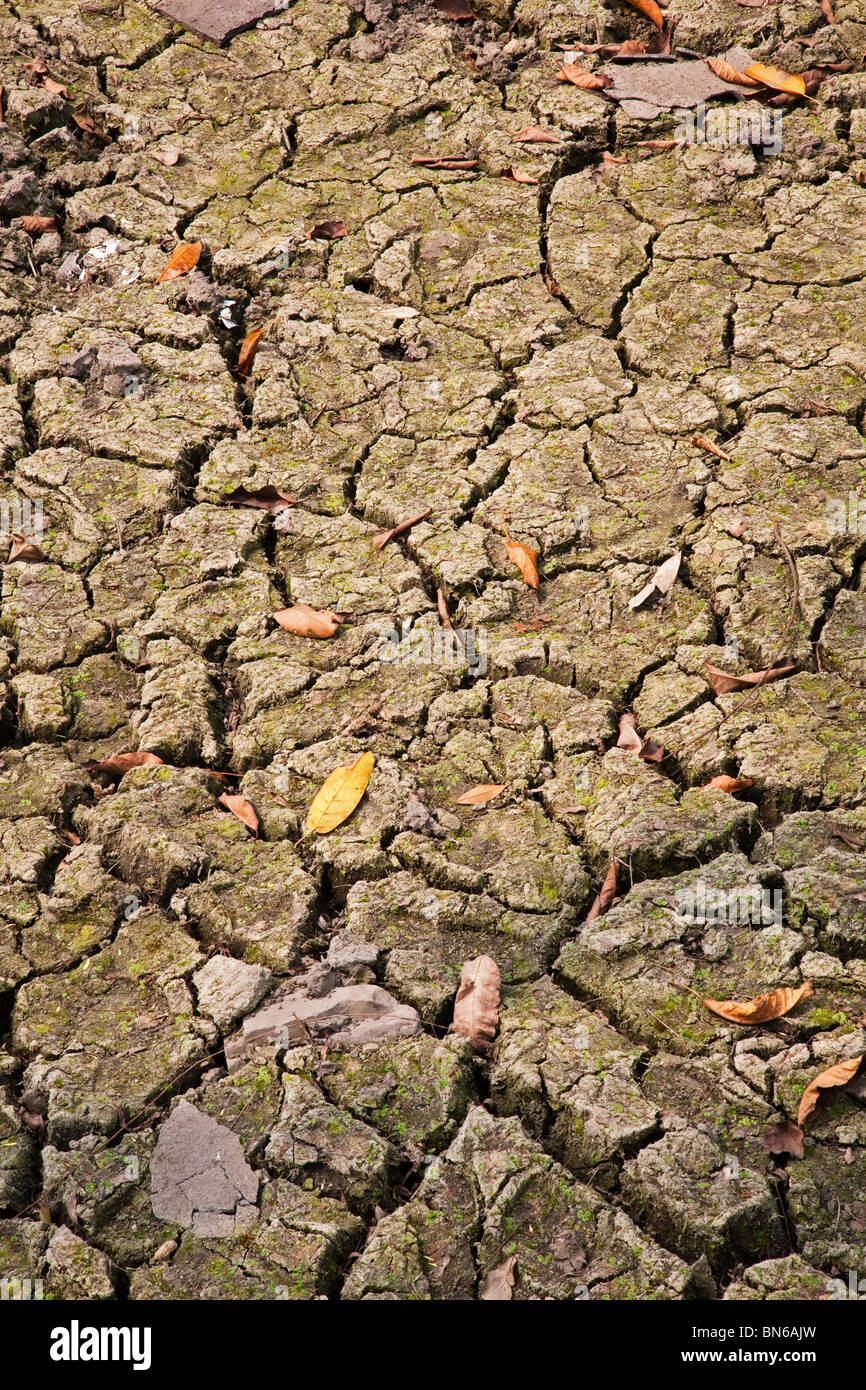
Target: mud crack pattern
537, 352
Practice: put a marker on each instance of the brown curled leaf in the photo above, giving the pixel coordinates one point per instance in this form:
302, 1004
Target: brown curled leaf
243, 809
781, 81
182, 260
268, 498
476, 1008
723, 683
784, 1138
455, 9
538, 135
723, 783
56, 88
579, 77
480, 795
730, 74
496, 1286
839, 1075
703, 443
442, 609
763, 1008
606, 895
35, 226
385, 536
305, 621
525, 559
328, 231
249, 348
661, 583
651, 10
120, 763
25, 550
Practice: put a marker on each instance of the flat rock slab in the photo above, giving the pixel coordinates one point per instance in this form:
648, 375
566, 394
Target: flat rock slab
343, 1018
199, 1176
645, 89
217, 19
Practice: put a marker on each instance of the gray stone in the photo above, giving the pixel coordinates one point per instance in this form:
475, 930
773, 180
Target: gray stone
199, 1176
227, 988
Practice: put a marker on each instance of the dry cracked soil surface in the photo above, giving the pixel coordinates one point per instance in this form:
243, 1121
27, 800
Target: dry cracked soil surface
226, 1069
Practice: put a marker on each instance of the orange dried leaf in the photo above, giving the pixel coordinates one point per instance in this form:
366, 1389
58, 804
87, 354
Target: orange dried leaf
525, 559
120, 763
520, 175
703, 443
476, 1008
840, 1075
763, 1008
243, 809
57, 88
723, 783
723, 683
608, 158
305, 621
35, 226
730, 74
651, 10
777, 78
480, 795
538, 135
579, 77
442, 608
338, 795
182, 260
249, 348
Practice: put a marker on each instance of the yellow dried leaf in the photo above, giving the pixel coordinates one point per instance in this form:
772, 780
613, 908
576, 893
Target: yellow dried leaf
777, 78
338, 796
181, 261
761, 1009
840, 1075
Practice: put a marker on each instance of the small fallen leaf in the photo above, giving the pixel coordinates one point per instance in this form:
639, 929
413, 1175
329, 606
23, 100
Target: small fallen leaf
480, 795
657, 144
532, 626
305, 621
431, 162
840, 1075
608, 158
645, 748
181, 261
854, 841
519, 175
538, 135
606, 895
730, 74
476, 1008
89, 126
249, 348
827, 11
579, 77
784, 1138
243, 809
761, 1009
338, 795
442, 608
37, 68
385, 536
268, 498
497, 1285
723, 783
455, 9
25, 551
167, 156
35, 226
525, 559
711, 448
661, 583
120, 763
650, 9
776, 78
328, 231
723, 683
57, 88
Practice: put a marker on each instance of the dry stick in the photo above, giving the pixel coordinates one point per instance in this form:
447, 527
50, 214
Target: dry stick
795, 608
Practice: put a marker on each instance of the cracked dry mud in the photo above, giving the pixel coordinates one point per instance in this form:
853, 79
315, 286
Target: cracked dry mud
225, 1065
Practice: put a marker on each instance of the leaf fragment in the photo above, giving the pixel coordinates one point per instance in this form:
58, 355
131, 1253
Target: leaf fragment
833, 1077
442, 609
537, 135
646, 748
168, 155
25, 550
120, 763
305, 621
777, 78
385, 536
328, 231
35, 226
608, 158
86, 123
520, 175
784, 1138
249, 348
445, 162
338, 795
497, 1285
703, 443
243, 809
268, 498
827, 11
661, 583
651, 10
455, 9
723, 683
480, 795
606, 894
56, 88
182, 260
730, 74
579, 77
525, 559
723, 783
476, 1008
763, 1008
